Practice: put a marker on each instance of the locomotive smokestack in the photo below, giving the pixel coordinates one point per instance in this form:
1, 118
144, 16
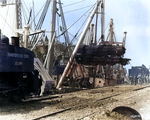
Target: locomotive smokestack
15, 41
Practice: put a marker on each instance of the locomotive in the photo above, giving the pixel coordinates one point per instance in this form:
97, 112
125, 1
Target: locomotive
18, 77
101, 54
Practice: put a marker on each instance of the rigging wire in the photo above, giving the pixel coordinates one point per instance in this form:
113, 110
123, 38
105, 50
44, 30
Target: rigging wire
105, 31
58, 26
115, 34
75, 36
24, 14
76, 21
6, 17
74, 3
79, 29
25, 5
34, 15
38, 13
78, 9
7, 23
24, 11
40, 21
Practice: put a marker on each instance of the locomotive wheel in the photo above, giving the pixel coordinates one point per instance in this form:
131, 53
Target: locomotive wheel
10, 97
17, 96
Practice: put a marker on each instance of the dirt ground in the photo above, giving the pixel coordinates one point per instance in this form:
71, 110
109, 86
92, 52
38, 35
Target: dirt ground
93, 104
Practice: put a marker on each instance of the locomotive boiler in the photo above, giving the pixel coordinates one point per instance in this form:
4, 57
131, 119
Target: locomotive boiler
18, 78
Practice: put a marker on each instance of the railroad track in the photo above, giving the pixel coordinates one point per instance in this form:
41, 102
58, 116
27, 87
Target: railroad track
46, 97
104, 98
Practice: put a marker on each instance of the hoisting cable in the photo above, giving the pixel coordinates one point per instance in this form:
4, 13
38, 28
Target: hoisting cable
79, 31
75, 22
71, 42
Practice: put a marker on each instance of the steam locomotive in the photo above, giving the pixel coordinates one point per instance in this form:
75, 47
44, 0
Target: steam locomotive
101, 54
18, 78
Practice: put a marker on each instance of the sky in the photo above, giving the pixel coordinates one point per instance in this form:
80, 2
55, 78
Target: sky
132, 16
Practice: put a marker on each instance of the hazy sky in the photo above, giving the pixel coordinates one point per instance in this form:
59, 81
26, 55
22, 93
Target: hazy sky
132, 16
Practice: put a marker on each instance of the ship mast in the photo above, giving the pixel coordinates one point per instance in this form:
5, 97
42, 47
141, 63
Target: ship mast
103, 20
52, 31
17, 3
18, 14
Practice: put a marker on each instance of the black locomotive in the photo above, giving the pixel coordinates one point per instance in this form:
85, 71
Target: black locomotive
18, 78
101, 54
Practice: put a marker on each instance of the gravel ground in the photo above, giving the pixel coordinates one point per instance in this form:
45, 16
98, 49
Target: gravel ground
84, 105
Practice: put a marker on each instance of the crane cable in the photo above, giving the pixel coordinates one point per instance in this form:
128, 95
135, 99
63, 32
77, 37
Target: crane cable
79, 30
75, 36
75, 21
